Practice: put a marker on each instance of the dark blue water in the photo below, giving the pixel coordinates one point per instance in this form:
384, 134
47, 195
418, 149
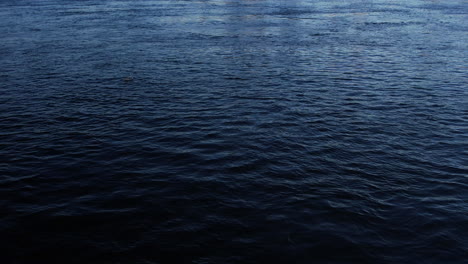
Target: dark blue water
233, 131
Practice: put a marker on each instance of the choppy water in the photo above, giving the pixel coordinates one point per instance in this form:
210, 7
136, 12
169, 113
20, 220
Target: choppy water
233, 131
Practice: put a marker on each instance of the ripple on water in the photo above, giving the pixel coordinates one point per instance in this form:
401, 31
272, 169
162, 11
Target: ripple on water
236, 132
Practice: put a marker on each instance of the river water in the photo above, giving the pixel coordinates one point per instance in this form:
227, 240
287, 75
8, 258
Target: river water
236, 131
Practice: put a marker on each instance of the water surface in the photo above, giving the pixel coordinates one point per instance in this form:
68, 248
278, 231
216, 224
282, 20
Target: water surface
233, 131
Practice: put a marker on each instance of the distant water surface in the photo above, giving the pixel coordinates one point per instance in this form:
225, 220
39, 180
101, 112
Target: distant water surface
233, 131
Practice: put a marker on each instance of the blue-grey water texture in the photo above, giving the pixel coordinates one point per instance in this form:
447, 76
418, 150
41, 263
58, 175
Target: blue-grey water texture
234, 131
